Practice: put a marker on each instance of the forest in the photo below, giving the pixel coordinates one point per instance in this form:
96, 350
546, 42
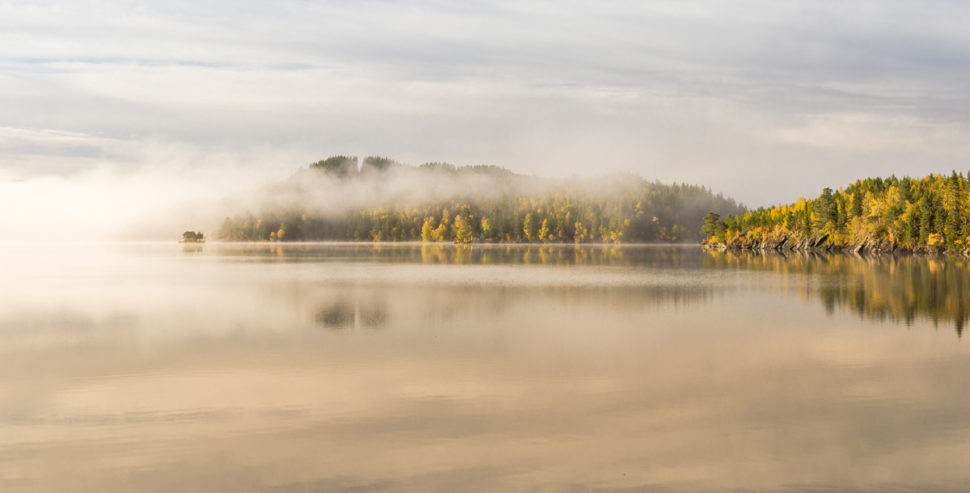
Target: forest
881, 214
379, 199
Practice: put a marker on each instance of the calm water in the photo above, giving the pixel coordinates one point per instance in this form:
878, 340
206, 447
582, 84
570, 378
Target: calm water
322, 367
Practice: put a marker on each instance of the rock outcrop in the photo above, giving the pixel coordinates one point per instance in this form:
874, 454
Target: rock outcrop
822, 243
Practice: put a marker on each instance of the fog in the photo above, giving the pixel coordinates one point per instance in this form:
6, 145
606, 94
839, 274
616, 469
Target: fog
107, 203
159, 202
327, 195
114, 110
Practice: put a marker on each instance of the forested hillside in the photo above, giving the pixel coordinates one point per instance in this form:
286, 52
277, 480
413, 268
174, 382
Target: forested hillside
878, 214
381, 200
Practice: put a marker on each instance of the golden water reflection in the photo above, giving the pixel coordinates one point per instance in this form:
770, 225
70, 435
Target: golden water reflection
143, 368
901, 288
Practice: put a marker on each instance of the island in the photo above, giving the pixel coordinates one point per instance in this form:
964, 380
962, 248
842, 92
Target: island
192, 237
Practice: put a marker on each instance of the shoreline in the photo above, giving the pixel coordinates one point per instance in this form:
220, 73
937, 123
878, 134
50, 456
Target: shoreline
821, 244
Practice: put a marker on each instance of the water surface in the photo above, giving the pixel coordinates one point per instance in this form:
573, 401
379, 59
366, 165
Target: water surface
361, 367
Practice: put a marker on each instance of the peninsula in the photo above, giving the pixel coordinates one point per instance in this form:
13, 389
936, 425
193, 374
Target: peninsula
875, 215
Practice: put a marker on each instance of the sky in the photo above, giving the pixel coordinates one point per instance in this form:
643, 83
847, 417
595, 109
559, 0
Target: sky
114, 109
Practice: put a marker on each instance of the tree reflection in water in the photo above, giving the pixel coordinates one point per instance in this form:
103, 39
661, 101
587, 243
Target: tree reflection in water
901, 288
351, 314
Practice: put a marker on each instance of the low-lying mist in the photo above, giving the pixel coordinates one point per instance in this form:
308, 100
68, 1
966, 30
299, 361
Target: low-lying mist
378, 199
343, 198
341, 187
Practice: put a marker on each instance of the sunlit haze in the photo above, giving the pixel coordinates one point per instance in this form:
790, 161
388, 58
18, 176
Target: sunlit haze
116, 110
490, 245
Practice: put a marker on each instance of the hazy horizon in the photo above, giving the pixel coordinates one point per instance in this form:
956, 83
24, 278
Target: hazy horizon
487, 245
117, 110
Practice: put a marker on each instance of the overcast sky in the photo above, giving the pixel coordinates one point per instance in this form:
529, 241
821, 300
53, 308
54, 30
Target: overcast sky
762, 100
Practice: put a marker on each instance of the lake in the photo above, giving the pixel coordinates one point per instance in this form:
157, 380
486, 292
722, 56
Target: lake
408, 367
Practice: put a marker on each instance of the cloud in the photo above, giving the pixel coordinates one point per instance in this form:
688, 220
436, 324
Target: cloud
865, 133
741, 96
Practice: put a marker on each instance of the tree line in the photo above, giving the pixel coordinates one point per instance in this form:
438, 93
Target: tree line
908, 213
626, 209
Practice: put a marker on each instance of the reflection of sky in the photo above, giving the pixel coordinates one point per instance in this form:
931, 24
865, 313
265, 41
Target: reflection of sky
174, 369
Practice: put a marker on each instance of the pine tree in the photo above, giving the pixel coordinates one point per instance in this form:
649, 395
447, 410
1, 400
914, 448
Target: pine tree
710, 224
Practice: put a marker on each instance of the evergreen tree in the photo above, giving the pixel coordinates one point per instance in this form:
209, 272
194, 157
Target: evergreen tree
711, 220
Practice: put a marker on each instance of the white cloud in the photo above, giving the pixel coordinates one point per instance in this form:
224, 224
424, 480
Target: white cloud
762, 100
867, 133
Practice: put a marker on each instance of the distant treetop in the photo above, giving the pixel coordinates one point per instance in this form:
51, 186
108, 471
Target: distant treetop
344, 167
444, 167
337, 166
377, 164
486, 169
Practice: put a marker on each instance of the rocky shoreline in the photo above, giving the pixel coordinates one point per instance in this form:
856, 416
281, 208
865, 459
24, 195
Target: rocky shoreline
821, 243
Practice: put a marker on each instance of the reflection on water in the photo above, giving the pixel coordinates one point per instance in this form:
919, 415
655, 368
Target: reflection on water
898, 288
343, 314
446, 254
359, 367
190, 248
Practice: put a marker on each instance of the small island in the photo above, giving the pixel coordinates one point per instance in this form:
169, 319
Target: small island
192, 237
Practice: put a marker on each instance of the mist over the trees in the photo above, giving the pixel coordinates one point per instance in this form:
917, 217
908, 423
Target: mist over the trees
379, 199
